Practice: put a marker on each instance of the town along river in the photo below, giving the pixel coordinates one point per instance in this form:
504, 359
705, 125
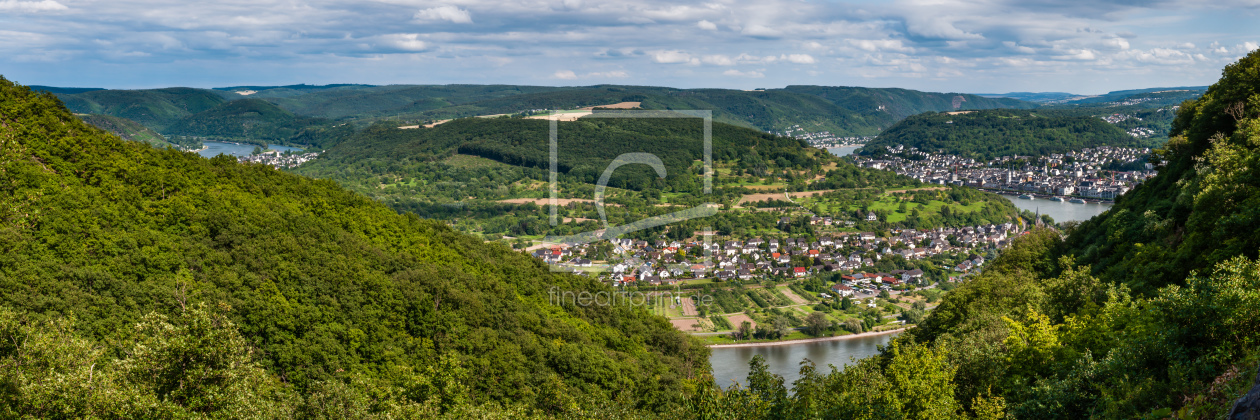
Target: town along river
730, 364
1061, 211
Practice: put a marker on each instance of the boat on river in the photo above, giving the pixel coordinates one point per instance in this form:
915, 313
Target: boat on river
1056, 199
1076, 201
1026, 197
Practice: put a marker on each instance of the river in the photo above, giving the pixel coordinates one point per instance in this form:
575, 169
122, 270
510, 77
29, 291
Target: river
731, 363
215, 148
843, 150
1061, 211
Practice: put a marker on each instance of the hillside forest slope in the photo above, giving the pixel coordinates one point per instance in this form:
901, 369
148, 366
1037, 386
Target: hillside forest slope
150, 283
989, 134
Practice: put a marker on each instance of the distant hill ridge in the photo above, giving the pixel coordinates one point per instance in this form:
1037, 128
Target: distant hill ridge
846, 111
992, 133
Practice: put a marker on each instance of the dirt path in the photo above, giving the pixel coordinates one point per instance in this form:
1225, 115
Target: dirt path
807, 340
618, 105
793, 296
918, 189
565, 116
779, 195
689, 307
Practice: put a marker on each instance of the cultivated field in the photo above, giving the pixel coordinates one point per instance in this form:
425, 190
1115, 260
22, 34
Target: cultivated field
547, 201
687, 324
738, 319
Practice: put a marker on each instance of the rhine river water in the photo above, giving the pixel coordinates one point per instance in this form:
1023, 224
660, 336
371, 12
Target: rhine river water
731, 363
215, 148
843, 150
1060, 211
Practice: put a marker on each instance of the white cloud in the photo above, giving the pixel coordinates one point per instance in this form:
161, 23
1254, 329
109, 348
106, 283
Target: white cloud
673, 57
798, 58
737, 73
880, 45
706, 25
938, 27
746, 58
448, 13
616, 74
570, 75
1074, 54
1159, 56
717, 60
1250, 46
761, 31
31, 6
406, 42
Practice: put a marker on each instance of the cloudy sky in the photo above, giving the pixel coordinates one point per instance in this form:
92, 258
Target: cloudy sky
979, 46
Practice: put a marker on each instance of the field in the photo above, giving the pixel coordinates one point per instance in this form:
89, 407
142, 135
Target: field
547, 201
738, 319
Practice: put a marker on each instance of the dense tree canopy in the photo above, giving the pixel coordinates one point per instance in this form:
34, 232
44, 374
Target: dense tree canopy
325, 284
992, 133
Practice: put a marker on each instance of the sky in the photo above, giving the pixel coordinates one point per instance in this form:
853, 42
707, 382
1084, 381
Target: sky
974, 46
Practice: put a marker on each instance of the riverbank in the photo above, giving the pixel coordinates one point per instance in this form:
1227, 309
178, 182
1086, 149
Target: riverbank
803, 341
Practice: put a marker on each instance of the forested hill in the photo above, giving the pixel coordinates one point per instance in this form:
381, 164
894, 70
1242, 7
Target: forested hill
155, 108
250, 119
126, 129
1201, 209
585, 147
993, 133
846, 111
849, 111
318, 302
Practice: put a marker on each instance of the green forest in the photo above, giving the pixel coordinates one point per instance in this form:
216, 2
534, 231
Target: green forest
150, 283
134, 131
994, 133
249, 120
